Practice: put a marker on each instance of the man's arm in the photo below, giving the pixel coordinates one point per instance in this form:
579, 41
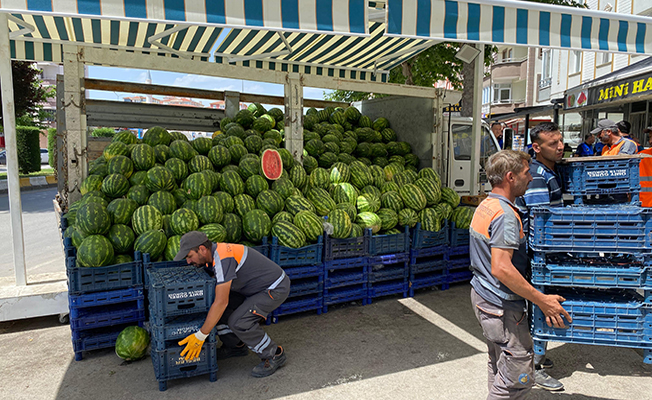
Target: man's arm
503, 269
537, 193
217, 308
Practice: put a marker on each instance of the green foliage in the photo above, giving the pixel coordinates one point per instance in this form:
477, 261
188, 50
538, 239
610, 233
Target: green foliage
103, 132
29, 151
28, 92
52, 144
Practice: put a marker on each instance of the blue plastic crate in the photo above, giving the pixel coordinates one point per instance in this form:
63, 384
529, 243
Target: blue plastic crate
604, 176
178, 291
168, 364
439, 251
346, 263
345, 248
68, 249
422, 238
345, 294
428, 259
389, 244
104, 298
96, 339
299, 305
107, 315
339, 278
459, 274
428, 280
458, 237
612, 321
288, 257
578, 275
82, 280
623, 229
459, 250
149, 264
177, 328
390, 267
304, 272
400, 286
307, 286
540, 347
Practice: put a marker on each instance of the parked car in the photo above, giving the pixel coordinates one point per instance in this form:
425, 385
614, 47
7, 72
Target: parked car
3, 157
44, 156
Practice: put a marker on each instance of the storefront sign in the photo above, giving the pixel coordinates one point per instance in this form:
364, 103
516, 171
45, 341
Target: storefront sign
639, 85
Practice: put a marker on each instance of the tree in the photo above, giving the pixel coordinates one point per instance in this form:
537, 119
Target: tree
28, 92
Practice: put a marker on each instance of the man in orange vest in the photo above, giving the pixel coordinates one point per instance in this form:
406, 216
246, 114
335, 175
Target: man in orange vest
645, 171
243, 270
614, 144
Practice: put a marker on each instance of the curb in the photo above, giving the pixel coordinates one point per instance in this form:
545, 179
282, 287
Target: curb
33, 183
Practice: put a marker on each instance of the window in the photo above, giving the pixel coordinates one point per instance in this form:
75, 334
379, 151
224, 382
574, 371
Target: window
605, 58
463, 143
502, 93
546, 69
507, 55
575, 61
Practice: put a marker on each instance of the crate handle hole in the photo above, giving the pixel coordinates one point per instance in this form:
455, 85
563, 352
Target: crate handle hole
185, 306
188, 368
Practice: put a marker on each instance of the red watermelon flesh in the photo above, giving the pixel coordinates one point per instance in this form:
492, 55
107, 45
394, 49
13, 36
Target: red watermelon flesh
272, 165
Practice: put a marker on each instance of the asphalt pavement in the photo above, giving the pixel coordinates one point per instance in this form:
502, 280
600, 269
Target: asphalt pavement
43, 251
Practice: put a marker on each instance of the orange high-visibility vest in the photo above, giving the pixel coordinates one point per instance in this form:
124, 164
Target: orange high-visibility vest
645, 173
613, 150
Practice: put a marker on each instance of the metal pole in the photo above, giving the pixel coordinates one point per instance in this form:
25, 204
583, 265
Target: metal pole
294, 116
477, 120
9, 123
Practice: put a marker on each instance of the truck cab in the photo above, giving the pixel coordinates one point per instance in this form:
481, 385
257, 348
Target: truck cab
460, 132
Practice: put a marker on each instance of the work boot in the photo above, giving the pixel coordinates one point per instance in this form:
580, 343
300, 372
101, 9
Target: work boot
227, 352
545, 381
547, 363
269, 365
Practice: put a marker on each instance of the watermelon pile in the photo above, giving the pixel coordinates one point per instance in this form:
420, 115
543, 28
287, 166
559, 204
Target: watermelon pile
144, 194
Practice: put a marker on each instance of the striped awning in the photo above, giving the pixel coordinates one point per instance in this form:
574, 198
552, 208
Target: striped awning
520, 23
361, 58
344, 17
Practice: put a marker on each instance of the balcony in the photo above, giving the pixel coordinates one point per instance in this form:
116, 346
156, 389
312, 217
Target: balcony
512, 69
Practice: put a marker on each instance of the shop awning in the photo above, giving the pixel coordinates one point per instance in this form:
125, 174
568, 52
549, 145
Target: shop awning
520, 23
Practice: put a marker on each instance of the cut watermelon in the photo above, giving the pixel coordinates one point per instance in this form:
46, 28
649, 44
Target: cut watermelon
272, 164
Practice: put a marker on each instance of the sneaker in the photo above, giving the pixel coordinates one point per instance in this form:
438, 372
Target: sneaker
547, 363
270, 365
545, 381
228, 352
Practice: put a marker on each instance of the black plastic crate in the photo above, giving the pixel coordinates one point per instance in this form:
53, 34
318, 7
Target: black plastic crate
178, 328
108, 315
169, 364
288, 257
82, 280
96, 339
313, 302
422, 238
345, 248
178, 291
389, 244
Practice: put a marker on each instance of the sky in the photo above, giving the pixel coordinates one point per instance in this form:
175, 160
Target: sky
187, 81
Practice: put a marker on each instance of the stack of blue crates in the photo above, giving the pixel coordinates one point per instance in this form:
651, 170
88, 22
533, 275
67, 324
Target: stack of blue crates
346, 270
388, 262
428, 259
459, 261
179, 299
304, 268
598, 257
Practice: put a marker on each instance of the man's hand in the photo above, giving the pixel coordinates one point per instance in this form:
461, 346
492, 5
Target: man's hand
193, 344
552, 309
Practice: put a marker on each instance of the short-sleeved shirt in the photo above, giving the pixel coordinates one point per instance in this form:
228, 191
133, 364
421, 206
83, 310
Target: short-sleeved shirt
496, 223
584, 150
598, 148
622, 146
249, 271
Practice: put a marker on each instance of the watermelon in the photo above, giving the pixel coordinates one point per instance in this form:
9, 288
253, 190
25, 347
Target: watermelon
283, 216
97, 169
159, 178
286, 157
341, 222
368, 202
256, 224
319, 178
132, 343
356, 230
163, 201
233, 225
93, 219
219, 156
226, 201
429, 189
249, 166
235, 135
352, 114
277, 114
139, 193
191, 205
202, 145
215, 232
178, 168
151, 242
256, 109
115, 149
321, 200
146, 218
183, 221
309, 163
121, 210
182, 150
138, 178
444, 210
121, 237
270, 202
349, 209
255, 184
288, 234
167, 229
284, 187
373, 190
243, 204
462, 217
156, 135
125, 136
392, 200
449, 196
209, 210
162, 153
115, 185
122, 258
95, 251
340, 173
177, 136
272, 164
199, 163
413, 197
295, 204
360, 175
253, 143
429, 173
298, 176
172, 247
345, 193
232, 183
264, 123
90, 184
388, 217
429, 219
369, 220
120, 165
310, 224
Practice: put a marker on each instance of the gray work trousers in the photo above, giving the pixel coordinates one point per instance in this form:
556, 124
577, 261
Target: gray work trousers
511, 355
244, 321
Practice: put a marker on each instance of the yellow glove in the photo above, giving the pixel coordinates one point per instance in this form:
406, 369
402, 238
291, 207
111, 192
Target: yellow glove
193, 345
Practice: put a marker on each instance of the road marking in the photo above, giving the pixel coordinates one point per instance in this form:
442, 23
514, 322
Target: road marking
444, 324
